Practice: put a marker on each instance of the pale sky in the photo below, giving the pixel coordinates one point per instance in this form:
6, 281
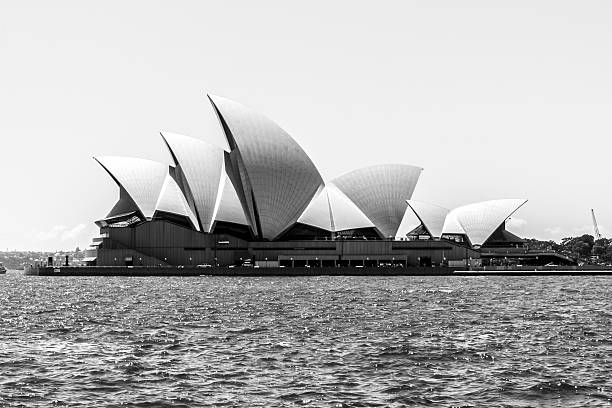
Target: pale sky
495, 99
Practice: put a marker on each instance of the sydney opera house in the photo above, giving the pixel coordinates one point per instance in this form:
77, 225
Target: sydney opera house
263, 202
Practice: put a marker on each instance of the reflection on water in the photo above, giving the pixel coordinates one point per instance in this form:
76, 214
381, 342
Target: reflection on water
318, 341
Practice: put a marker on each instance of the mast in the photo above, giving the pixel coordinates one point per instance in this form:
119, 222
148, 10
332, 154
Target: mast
595, 227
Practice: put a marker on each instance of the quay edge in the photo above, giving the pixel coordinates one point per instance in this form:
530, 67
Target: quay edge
59, 271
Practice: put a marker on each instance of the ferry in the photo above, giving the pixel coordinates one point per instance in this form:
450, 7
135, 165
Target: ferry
2, 269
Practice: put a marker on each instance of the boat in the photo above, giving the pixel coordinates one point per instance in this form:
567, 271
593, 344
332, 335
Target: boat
2, 269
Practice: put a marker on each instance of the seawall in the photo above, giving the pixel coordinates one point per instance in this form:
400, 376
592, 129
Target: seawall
250, 271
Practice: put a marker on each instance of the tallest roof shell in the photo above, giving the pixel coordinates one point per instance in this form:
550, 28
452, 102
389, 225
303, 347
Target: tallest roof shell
275, 177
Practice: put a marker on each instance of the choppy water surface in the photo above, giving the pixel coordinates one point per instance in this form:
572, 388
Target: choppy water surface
327, 341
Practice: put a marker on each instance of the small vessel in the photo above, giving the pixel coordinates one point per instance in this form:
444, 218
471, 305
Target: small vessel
2, 269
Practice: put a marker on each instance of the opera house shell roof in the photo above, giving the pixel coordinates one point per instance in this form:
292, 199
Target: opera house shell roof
268, 185
477, 221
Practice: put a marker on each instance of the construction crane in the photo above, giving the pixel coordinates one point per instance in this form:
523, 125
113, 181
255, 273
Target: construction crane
597, 234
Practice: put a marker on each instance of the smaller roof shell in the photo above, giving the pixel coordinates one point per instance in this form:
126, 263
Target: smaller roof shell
452, 225
331, 210
172, 200
148, 185
230, 209
141, 179
480, 220
203, 167
318, 212
345, 214
431, 216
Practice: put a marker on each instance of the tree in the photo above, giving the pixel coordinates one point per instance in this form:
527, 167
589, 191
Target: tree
579, 246
600, 247
607, 256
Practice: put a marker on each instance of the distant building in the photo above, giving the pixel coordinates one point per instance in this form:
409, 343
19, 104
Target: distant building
264, 202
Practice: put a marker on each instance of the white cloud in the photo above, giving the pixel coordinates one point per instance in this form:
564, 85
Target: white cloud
72, 233
589, 229
554, 231
61, 232
53, 233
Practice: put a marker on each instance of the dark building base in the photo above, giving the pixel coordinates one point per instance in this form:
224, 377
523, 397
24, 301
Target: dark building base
161, 243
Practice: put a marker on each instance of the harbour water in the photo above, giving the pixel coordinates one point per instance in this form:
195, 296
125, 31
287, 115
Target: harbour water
305, 341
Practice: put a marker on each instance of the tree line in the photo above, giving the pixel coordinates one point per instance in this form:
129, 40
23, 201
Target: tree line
584, 247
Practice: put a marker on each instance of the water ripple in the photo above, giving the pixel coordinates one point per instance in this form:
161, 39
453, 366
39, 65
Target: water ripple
316, 342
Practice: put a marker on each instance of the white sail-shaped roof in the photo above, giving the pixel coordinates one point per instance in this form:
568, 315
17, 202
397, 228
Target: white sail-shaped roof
141, 179
452, 225
318, 212
331, 210
268, 183
230, 209
431, 216
480, 220
345, 214
200, 168
172, 200
380, 192
274, 177
124, 206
